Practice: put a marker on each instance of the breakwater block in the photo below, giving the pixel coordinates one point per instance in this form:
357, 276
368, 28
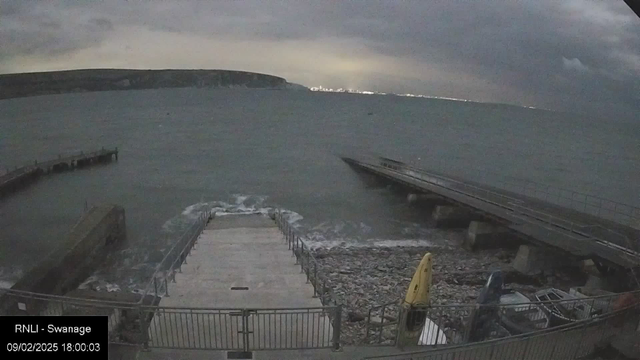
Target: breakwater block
533, 260
100, 230
483, 235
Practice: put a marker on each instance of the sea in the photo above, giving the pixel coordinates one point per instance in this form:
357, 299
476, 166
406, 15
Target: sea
183, 151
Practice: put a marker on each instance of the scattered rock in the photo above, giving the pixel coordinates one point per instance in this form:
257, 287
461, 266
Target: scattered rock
366, 278
391, 318
353, 316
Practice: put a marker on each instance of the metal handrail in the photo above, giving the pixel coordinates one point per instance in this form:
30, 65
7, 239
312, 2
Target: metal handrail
609, 297
440, 180
43, 296
419, 175
308, 263
160, 279
625, 214
513, 203
601, 205
577, 228
320, 289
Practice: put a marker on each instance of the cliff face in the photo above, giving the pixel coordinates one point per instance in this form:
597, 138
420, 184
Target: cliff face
57, 82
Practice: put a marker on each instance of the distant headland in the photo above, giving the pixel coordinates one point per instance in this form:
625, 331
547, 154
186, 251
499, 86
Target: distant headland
85, 80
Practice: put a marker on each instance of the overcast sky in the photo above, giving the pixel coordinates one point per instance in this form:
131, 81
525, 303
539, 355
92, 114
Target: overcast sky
559, 54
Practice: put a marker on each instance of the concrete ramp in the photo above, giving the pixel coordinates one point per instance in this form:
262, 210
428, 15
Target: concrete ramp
247, 289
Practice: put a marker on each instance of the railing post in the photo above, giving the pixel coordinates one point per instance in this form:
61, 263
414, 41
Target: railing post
402, 319
337, 327
526, 348
301, 258
324, 292
143, 328
315, 279
384, 309
579, 345
245, 330
308, 271
555, 346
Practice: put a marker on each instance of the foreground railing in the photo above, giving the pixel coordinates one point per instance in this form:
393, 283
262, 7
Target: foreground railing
590, 204
566, 342
172, 262
126, 325
191, 328
381, 326
141, 323
465, 323
243, 329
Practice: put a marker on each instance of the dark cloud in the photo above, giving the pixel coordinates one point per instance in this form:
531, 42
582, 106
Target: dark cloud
41, 28
561, 54
101, 24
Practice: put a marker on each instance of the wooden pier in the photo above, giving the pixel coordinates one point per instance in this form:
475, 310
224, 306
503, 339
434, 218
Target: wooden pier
22, 176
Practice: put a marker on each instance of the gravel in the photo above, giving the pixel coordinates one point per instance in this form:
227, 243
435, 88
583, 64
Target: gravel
364, 278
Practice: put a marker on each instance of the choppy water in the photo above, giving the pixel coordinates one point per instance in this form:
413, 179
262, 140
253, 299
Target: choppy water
182, 150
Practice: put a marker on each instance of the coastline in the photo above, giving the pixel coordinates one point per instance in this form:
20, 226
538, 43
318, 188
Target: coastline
91, 80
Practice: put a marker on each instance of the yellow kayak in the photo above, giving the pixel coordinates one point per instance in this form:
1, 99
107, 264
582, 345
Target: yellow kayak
417, 296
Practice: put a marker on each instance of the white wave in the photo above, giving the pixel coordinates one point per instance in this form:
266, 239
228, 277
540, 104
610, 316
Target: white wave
9, 276
240, 199
96, 284
239, 204
194, 209
187, 216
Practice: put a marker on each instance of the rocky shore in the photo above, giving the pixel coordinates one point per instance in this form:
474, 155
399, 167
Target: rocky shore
364, 278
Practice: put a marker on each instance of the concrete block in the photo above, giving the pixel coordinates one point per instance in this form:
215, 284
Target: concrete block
589, 267
425, 199
451, 216
532, 260
595, 282
483, 235
608, 283
76, 258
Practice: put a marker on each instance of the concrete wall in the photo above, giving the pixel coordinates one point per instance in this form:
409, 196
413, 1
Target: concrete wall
76, 257
452, 216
